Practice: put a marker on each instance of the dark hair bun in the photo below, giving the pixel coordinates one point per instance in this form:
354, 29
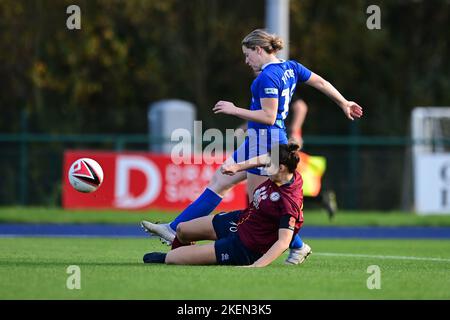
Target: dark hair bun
276, 43
293, 146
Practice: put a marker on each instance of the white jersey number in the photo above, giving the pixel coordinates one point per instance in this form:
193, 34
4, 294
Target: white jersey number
287, 94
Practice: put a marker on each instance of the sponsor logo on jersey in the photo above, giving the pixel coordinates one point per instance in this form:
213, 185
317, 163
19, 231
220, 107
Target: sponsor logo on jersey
259, 195
274, 196
270, 90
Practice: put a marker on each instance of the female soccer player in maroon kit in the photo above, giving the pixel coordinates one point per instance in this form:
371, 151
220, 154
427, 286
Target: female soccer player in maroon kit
255, 236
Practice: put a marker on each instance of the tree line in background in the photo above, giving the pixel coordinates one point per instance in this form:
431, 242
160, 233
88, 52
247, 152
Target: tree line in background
128, 54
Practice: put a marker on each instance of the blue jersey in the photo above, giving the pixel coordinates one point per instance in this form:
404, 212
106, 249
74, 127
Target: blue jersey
277, 80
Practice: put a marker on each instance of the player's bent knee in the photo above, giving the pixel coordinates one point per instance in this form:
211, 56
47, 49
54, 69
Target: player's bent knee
181, 232
215, 183
220, 185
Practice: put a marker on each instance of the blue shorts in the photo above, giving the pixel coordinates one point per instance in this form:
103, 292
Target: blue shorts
229, 248
258, 143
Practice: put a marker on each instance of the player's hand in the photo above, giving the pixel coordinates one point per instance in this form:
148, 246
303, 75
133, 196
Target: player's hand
229, 169
296, 137
352, 110
225, 107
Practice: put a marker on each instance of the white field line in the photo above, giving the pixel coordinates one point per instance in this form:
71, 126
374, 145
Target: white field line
352, 255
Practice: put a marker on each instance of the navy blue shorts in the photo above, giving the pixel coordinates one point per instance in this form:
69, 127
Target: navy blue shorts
229, 248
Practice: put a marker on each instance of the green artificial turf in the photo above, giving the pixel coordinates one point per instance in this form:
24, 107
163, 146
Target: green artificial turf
36, 268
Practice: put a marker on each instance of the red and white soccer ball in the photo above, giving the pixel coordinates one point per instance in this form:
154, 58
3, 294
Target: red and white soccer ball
85, 175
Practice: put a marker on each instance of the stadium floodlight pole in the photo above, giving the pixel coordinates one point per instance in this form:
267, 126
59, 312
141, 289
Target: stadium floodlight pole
277, 21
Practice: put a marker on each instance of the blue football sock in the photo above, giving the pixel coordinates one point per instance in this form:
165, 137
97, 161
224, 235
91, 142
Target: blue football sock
296, 243
201, 207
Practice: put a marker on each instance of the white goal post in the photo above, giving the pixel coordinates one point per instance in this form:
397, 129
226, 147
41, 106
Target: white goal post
430, 130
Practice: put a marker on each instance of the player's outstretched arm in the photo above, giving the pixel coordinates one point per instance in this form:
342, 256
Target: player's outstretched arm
300, 109
232, 168
281, 245
351, 109
267, 114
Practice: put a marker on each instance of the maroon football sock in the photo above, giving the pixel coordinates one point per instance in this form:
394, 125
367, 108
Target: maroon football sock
176, 243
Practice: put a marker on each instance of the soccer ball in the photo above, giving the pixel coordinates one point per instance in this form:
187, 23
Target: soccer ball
85, 175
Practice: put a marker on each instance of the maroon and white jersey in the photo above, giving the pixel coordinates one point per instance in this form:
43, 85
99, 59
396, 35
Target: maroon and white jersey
259, 224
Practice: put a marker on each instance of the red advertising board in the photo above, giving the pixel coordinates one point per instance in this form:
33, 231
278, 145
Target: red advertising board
141, 180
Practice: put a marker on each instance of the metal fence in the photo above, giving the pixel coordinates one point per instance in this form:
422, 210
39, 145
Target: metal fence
370, 173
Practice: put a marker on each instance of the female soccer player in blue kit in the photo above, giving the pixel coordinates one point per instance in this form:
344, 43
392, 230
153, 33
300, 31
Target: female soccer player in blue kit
271, 90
